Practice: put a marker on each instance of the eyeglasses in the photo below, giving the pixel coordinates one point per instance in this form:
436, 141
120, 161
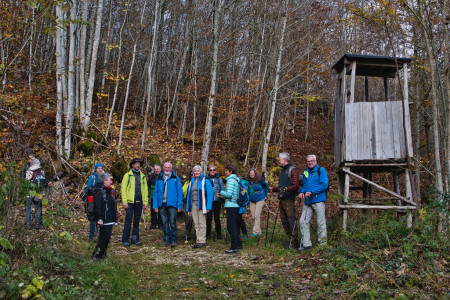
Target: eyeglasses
212, 170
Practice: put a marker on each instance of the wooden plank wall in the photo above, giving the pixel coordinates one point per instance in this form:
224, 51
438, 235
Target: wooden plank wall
374, 131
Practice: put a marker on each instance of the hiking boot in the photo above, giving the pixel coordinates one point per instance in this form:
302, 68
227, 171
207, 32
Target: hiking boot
154, 226
256, 234
37, 227
244, 237
137, 243
199, 245
173, 244
165, 243
303, 248
92, 239
231, 251
126, 244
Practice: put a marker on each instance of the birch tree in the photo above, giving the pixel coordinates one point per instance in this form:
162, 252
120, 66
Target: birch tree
218, 6
274, 94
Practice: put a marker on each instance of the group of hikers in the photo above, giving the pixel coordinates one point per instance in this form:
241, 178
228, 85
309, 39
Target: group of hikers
202, 198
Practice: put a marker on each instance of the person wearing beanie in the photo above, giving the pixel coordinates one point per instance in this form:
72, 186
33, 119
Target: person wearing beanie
93, 179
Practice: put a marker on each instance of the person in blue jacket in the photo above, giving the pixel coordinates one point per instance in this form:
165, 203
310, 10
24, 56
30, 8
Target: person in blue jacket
314, 192
230, 194
92, 180
199, 202
168, 199
217, 185
260, 191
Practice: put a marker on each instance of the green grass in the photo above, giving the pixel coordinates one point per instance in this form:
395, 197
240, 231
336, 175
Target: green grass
378, 258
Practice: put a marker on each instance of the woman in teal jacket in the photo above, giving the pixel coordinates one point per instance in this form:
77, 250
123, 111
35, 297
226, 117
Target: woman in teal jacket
230, 194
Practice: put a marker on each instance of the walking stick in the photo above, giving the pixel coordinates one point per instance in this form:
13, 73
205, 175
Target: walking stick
267, 224
143, 217
276, 219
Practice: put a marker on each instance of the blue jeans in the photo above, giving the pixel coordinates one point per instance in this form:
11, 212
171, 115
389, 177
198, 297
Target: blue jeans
169, 220
37, 209
92, 229
134, 212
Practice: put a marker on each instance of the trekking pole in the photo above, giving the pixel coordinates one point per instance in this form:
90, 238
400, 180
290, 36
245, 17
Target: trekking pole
143, 217
297, 217
276, 219
267, 224
226, 229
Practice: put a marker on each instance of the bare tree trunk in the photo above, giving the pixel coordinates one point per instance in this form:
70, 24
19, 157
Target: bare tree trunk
116, 88
128, 83
71, 80
90, 94
107, 51
274, 93
82, 54
218, 5
59, 82
151, 65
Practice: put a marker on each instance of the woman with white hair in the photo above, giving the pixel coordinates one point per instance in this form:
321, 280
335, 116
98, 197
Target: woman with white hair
198, 203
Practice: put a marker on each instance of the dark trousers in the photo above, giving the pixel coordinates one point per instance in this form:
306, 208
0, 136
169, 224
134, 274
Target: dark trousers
187, 225
155, 218
287, 215
103, 241
241, 225
134, 212
232, 227
169, 219
217, 205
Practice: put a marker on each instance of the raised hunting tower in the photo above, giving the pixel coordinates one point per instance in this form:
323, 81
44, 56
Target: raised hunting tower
373, 135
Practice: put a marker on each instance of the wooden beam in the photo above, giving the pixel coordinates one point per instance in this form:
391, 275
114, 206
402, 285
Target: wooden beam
372, 199
384, 207
353, 83
406, 118
346, 170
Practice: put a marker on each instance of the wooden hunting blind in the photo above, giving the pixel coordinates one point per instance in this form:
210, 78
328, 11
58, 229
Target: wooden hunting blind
373, 134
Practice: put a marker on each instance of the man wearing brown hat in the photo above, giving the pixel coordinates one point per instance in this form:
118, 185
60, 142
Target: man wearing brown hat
134, 195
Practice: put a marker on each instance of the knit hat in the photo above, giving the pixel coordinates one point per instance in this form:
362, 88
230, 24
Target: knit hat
98, 165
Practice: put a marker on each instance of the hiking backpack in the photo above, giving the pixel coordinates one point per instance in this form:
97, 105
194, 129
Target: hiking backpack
89, 202
39, 179
243, 193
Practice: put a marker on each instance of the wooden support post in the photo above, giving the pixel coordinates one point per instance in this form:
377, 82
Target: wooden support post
353, 82
366, 89
346, 193
346, 170
406, 120
366, 187
370, 186
397, 190
387, 94
408, 194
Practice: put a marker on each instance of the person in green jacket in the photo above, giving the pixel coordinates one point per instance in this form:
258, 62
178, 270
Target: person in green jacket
134, 194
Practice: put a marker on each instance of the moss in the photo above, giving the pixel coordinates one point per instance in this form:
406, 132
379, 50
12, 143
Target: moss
153, 159
119, 168
85, 147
